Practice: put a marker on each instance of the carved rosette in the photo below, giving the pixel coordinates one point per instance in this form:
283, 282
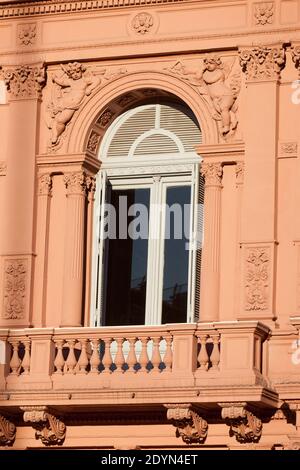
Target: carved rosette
257, 278
212, 173
244, 425
239, 172
190, 426
262, 62
15, 272
142, 23
49, 429
295, 49
93, 142
24, 81
27, 34
105, 118
7, 432
44, 184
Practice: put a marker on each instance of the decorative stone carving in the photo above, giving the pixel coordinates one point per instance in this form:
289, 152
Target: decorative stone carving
24, 81
44, 184
262, 62
257, 273
189, 425
3, 168
125, 100
212, 173
219, 84
288, 148
142, 23
69, 91
76, 183
91, 184
49, 429
7, 432
244, 425
27, 34
15, 272
105, 118
239, 172
93, 142
295, 49
264, 13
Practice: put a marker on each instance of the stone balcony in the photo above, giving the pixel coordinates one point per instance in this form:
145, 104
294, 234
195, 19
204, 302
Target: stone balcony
203, 364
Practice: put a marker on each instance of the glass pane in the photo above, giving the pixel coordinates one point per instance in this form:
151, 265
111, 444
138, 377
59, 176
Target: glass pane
176, 255
127, 259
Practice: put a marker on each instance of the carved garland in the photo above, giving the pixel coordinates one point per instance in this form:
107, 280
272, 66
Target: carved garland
49, 429
262, 62
244, 425
7, 432
190, 426
24, 81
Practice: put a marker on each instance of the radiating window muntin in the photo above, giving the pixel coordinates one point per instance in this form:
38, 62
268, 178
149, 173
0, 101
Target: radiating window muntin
140, 153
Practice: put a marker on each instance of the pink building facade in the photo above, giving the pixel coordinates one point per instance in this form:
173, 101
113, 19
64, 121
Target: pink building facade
102, 96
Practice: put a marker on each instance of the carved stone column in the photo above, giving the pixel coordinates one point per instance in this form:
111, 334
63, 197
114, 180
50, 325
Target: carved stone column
24, 84
91, 186
190, 426
262, 66
49, 428
76, 185
244, 425
44, 192
210, 270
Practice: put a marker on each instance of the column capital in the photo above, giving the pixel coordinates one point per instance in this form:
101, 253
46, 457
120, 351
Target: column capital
212, 173
76, 183
24, 81
44, 184
262, 63
295, 50
239, 172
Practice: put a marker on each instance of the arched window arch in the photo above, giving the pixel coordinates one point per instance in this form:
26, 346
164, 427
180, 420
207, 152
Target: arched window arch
148, 219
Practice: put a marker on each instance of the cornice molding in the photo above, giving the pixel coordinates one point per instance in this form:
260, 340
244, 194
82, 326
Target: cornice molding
57, 6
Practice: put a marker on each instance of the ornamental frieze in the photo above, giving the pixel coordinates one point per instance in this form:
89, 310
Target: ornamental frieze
262, 62
24, 81
71, 87
219, 83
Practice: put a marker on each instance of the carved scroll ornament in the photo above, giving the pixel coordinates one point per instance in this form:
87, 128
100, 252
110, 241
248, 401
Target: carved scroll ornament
7, 432
244, 425
49, 429
190, 426
219, 83
262, 62
24, 81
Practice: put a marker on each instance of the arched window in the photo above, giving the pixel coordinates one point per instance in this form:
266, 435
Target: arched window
148, 219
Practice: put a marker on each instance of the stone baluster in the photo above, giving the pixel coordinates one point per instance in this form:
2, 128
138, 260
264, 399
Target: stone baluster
169, 354
156, 358
15, 361
107, 359
95, 359
215, 355
203, 358
59, 361
144, 358
131, 359
26, 358
83, 359
71, 359
119, 359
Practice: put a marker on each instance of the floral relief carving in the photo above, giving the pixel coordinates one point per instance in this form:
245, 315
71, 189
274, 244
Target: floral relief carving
49, 429
142, 23
76, 183
262, 62
15, 272
295, 50
7, 432
105, 118
219, 83
288, 148
212, 173
27, 34
24, 81
93, 142
190, 426
244, 425
257, 278
70, 89
44, 184
125, 100
3, 168
264, 13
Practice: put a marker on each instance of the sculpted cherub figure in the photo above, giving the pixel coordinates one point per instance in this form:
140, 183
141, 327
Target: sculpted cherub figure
211, 81
73, 85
